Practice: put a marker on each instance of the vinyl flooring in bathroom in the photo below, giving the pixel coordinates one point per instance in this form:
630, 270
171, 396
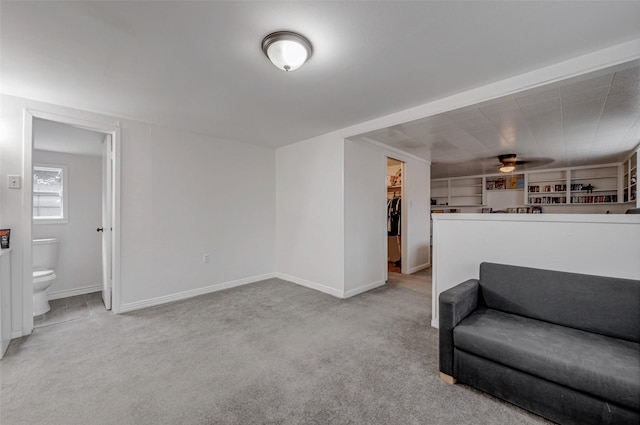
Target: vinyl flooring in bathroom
72, 308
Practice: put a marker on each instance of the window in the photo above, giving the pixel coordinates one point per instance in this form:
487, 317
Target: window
49, 194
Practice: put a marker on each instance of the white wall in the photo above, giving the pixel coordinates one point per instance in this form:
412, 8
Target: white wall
503, 199
183, 195
365, 215
417, 184
11, 163
597, 244
310, 214
307, 262
318, 217
5, 300
196, 196
79, 268
365, 199
332, 228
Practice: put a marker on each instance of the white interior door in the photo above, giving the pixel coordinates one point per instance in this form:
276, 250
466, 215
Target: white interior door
107, 228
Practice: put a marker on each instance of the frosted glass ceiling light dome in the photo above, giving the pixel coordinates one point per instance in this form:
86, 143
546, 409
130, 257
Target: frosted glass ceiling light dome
286, 50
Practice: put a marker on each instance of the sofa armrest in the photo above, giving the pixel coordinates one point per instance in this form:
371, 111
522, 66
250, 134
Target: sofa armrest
455, 304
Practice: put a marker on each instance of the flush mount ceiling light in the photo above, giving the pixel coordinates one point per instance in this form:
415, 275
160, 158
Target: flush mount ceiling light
287, 50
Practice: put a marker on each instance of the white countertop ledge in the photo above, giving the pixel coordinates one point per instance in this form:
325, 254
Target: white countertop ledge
549, 218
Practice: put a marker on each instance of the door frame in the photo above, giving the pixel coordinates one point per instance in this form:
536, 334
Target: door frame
27, 206
106, 221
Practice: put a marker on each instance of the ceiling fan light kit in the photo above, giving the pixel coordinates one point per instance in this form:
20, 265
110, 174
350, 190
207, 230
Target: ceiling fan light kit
287, 50
508, 162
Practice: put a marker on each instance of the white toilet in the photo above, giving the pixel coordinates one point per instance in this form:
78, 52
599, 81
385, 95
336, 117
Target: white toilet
45, 258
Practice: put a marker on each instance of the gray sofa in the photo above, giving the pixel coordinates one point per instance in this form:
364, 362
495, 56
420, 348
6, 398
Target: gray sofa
563, 345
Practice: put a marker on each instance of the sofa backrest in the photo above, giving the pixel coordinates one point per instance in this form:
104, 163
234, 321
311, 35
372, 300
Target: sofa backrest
604, 305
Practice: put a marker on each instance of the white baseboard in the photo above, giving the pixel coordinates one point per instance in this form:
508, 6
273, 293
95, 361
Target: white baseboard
434, 324
364, 288
73, 292
420, 267
137, 305
311, 285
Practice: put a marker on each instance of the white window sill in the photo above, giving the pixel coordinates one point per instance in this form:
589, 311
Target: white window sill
50, 221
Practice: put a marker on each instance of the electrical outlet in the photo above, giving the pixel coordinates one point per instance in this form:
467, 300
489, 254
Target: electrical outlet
14, 182
205, 258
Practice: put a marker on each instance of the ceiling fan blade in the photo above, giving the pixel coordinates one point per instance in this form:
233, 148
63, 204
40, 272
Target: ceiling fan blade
509, 158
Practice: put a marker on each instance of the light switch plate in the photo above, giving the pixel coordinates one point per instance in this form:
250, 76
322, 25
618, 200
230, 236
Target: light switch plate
14, 182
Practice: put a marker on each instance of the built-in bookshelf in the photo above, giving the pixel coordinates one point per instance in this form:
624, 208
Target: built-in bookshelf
594, 185
574, 186
562, 187
547, 187
440, 192
630, 179
466, 191
460, 192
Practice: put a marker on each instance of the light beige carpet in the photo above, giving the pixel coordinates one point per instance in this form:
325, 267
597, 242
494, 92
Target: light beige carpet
267, 353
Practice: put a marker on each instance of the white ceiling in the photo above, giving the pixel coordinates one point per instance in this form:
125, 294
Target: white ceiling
198, 65
591, 119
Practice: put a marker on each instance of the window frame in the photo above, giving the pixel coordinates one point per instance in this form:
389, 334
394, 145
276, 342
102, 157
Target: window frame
65, 195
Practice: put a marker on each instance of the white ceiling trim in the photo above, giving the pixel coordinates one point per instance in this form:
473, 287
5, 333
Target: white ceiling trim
391, 149
107, 126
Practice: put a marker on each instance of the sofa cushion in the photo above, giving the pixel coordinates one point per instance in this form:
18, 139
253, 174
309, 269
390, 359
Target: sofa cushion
602, 366
604, 305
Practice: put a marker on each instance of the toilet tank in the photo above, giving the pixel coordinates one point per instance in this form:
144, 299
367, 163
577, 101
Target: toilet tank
45, 253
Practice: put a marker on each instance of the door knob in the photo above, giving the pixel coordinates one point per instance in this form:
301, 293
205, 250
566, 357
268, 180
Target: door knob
100, 229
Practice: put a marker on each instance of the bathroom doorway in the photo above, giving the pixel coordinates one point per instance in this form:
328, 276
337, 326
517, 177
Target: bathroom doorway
81, 212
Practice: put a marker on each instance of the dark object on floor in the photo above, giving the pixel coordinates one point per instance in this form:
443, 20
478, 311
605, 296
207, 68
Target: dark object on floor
633, 211
563, 345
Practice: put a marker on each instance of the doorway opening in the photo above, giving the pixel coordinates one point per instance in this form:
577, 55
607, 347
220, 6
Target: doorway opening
73, 211
71, 193
395, 173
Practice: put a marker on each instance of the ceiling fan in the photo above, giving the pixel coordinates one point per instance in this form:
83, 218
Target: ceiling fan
508, 162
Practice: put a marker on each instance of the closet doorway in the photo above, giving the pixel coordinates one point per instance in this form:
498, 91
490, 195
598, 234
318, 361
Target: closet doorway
395, 174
